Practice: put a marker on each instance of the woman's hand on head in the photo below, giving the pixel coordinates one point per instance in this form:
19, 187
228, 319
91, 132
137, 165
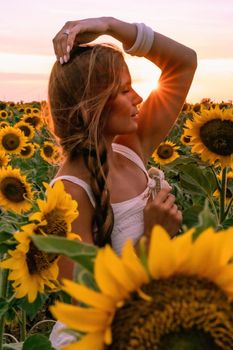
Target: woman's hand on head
78, 32
163, 211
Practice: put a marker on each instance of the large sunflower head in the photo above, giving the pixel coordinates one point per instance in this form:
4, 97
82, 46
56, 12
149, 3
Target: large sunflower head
26, 128
31, 270
177, 301
56, 214
12, 140
165, 153
15, 192
211, 135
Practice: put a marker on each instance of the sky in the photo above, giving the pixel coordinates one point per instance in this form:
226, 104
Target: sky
27, 28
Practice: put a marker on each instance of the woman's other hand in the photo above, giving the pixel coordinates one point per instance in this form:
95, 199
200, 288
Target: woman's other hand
163, 211
78, 32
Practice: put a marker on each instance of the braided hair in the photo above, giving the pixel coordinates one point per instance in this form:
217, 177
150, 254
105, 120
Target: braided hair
80, 96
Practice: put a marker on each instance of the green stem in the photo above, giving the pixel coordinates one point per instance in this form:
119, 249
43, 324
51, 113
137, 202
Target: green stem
223, 194
3, 291
228, 208
214, 209
23, 332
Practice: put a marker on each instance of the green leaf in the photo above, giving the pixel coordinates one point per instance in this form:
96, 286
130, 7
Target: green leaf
205, 219
227, 223
82, 253
202, 179
190, 215
36, 342
32, 308
4, 236
84, 276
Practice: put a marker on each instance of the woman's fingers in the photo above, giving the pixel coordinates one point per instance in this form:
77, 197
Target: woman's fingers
64, 40
162, 195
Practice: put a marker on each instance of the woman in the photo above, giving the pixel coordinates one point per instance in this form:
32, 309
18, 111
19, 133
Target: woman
107, 139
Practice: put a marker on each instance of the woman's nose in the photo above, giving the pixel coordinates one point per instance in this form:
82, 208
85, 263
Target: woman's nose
137, 99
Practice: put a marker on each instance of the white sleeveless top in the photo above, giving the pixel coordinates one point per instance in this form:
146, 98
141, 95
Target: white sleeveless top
128, 222
128, 215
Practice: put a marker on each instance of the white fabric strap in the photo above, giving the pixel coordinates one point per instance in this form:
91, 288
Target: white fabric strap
130, 154
143, 42
79, 182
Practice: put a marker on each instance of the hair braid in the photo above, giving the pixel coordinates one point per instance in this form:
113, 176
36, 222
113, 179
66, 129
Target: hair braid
103, 219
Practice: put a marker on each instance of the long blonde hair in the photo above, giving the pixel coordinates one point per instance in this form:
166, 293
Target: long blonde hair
80, 96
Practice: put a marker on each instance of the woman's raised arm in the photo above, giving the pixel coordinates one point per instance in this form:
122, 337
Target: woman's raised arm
176, 61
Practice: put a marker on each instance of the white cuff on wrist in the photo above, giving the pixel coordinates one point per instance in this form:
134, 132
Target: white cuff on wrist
143, 42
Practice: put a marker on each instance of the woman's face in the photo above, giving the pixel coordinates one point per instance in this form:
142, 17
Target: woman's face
124, 112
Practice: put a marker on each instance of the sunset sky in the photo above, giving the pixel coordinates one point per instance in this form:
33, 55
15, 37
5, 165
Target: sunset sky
27, 29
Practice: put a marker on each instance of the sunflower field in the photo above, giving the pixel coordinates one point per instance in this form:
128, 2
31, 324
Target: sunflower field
173, 294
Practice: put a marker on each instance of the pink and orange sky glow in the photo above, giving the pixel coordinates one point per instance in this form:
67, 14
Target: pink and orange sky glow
27, 29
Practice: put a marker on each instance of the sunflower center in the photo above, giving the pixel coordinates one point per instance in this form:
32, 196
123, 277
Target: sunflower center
26, 130
56, 225
165, 151
10, 141
34, 121
217, 136
37, 261
185, 313
187, 139
48, 151
13, 189
26, 151
3, 114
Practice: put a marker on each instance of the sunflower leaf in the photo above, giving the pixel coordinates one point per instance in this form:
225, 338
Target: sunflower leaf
37, 341
205, 219
198, 179
81, 253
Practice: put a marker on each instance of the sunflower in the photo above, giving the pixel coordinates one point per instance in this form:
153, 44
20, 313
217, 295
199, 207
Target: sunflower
12, 140
56, 214
15, 192
26, 128
28, 110
4, 124
33, 119
3, 114
165, 153
28, 151
31, 269
211, 135
190, 304
185, 139
49, 151
36, 111
4, 159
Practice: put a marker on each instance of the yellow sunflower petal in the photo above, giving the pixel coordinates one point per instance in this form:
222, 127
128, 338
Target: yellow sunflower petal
135, 270
81, 319
160, 256
117, 269
106, 282
88, 296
